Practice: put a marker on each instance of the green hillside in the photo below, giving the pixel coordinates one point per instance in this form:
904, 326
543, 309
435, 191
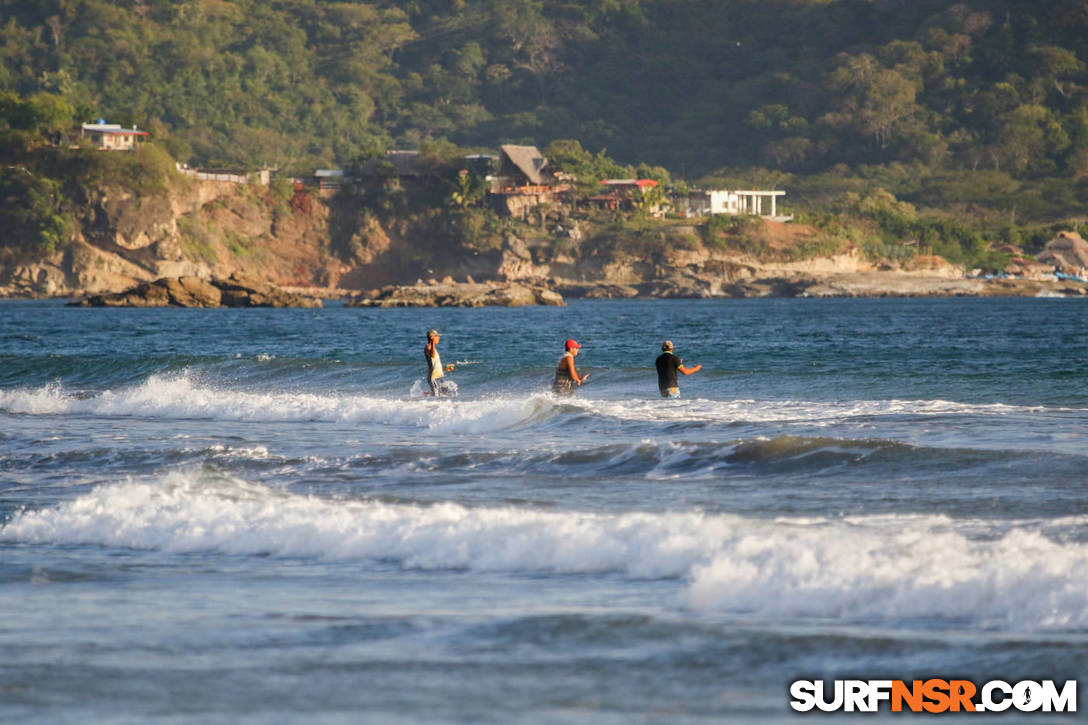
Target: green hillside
975, 108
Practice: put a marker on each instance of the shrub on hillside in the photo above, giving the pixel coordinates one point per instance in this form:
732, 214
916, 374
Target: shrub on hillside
32, 210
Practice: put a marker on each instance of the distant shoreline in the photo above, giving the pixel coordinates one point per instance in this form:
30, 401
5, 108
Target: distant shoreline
845, 285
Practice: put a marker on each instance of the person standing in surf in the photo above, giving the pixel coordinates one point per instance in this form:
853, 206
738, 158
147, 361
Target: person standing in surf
565, 374
435, 370
667, 366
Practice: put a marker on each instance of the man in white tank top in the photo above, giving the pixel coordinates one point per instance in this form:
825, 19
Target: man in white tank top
435, 370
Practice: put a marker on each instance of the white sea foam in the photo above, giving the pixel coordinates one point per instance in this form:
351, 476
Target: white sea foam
446, 388
183, 397
922, 570
243, 452
813, 412
186, 396
890, 570
47, 400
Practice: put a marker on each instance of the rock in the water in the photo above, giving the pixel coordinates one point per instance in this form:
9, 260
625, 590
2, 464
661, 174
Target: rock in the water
235, 291
460, 295
605, 291
192, 292
549, 297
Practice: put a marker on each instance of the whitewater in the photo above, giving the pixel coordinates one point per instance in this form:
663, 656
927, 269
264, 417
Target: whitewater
254, 516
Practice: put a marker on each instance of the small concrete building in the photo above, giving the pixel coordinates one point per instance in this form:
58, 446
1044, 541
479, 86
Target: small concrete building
394, 164
329, 179
111, 136
725, 201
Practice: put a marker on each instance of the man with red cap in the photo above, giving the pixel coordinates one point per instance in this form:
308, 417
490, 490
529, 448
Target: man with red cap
565, 374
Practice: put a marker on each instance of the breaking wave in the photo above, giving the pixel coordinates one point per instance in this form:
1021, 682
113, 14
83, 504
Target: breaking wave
181, 397
893, 570
186, 396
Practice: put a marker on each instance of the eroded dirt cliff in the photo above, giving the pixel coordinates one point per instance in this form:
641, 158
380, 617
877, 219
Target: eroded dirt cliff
195, 228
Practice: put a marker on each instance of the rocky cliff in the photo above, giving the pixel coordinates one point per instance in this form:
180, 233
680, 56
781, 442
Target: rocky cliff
340, 246
193, 228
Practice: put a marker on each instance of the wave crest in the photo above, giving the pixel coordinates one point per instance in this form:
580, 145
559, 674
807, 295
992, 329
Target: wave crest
180, 397
892, 570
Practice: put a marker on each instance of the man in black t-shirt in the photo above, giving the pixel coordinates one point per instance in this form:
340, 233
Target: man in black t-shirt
667, 366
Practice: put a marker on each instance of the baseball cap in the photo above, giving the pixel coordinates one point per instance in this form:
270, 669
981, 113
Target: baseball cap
571, 344
432, 333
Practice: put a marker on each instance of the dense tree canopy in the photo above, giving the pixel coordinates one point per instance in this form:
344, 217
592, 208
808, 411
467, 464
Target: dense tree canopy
973, 109
694, 85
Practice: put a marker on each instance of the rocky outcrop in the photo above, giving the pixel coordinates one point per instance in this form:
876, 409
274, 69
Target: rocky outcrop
192, 229
862, 284
453, 294
883, 284
44, 278
238, 290
516, 263
160, 250
600, 291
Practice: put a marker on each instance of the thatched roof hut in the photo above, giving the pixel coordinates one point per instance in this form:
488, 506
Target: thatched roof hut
523, 163
1068, 250
1029, 269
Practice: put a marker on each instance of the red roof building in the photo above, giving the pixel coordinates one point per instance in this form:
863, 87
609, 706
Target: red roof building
111, 136
629, 185
618, 193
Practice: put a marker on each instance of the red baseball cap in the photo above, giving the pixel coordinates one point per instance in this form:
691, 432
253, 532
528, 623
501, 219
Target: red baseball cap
572, 344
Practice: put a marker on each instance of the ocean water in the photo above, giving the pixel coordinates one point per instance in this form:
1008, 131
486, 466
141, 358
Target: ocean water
250, 516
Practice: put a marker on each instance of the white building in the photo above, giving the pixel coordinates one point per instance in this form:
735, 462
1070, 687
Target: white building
329, 179
111, 136
724, 201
